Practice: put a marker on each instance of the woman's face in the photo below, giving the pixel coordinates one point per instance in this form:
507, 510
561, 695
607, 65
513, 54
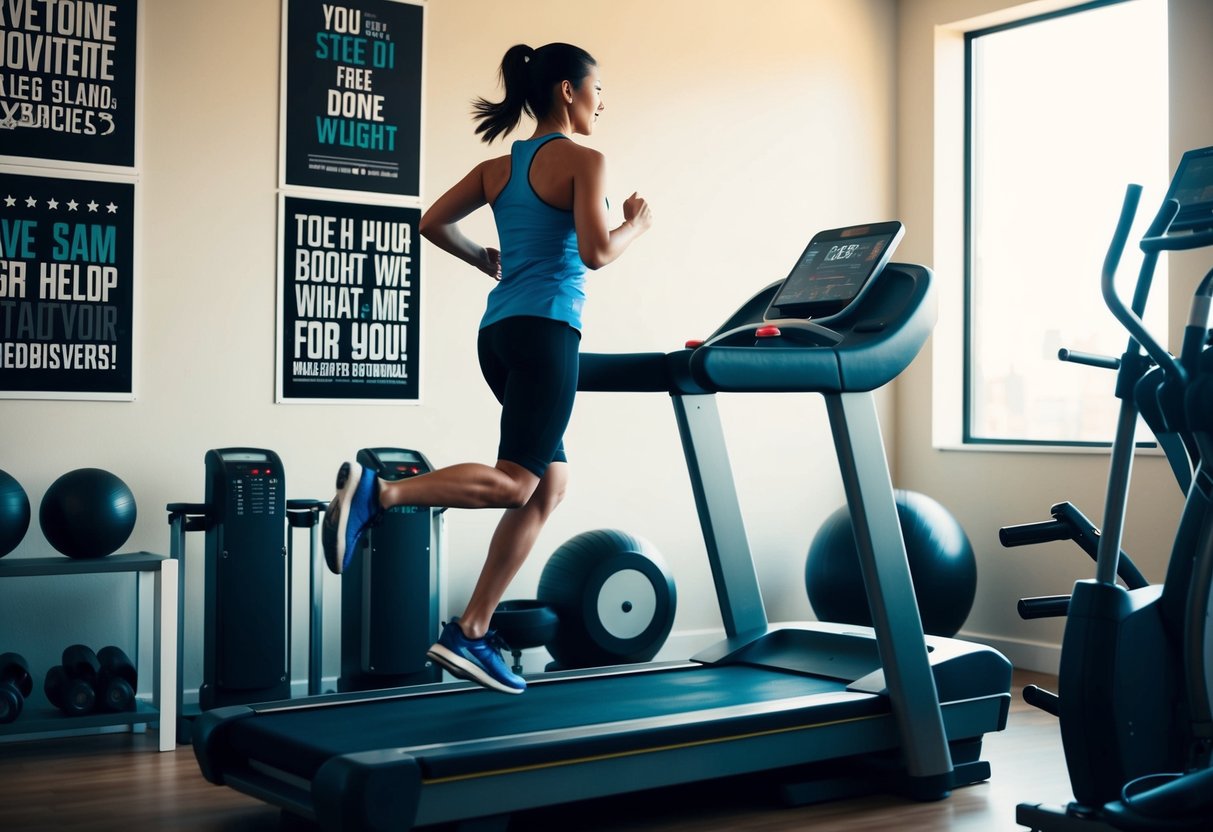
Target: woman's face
587, 103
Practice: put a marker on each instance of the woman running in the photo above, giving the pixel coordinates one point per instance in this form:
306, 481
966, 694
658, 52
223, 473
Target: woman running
549, 204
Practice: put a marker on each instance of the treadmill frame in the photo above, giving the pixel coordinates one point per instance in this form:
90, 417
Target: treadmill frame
385, 788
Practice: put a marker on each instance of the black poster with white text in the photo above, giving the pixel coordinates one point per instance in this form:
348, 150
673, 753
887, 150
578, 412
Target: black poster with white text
66, 287
67, 80
349, 293
352, 104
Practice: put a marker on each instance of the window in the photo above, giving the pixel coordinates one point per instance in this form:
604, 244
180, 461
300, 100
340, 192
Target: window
1064, 111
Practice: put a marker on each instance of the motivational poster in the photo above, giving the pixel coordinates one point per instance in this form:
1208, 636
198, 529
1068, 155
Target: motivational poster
352, 95
66, 287
349, 283
67, 80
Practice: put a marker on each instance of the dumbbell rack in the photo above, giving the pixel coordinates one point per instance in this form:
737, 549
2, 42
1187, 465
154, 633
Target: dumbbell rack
156, 645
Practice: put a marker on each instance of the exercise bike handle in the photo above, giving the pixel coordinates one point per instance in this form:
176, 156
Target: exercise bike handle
1038, 697
1043, 606
1069, 523
1104, 362
1027, 534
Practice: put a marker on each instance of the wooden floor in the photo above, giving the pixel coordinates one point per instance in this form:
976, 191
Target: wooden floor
121, 782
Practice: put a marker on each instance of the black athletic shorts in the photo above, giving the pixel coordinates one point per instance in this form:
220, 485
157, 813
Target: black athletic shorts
531, 366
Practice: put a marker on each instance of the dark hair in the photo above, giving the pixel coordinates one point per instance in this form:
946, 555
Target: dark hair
528, 76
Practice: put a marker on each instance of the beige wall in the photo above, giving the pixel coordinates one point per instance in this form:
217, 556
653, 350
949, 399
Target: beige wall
988, 490
747, 127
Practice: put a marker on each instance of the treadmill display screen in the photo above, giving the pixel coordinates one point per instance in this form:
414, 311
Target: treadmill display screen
244, 456
397, 456
835, 266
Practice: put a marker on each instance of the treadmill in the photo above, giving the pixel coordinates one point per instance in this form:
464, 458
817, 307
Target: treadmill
904, 710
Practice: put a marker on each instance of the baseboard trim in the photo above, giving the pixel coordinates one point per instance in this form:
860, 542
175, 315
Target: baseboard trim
1038, 656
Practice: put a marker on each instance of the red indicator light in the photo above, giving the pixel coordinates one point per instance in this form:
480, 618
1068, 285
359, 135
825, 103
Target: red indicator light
767, 332
256, 472
694, 343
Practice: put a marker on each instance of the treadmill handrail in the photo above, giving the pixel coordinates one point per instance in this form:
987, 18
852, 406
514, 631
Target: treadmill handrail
827, 336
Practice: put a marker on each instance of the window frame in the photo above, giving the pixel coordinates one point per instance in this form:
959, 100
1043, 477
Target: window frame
967, 437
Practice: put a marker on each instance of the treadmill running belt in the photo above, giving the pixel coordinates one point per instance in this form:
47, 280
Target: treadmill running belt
430, 727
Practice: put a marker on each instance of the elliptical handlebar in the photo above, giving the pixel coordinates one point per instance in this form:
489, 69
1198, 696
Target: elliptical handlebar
1130, 317
1116, 499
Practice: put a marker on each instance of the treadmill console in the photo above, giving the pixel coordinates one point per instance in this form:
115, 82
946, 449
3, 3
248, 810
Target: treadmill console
394, 463
833, 269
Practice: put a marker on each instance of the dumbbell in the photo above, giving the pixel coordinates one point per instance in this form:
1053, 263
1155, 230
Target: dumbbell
71, 687
15, 686
117, 681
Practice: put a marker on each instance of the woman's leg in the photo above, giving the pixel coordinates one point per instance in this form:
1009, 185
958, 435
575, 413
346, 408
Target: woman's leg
462, 649
466, 485
531, 366
512, 542
361, 497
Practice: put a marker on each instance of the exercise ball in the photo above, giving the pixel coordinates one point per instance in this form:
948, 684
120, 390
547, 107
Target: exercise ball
942, 567
14, 513
87, 513
614, 598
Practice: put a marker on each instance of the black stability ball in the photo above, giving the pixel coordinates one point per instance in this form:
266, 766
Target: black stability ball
87, 513
942, 566
14, 513
614, 597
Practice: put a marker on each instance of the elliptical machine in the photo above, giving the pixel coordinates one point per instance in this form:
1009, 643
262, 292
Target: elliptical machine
1135, 699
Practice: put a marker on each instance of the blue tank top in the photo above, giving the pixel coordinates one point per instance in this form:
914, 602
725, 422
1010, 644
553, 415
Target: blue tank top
542, 274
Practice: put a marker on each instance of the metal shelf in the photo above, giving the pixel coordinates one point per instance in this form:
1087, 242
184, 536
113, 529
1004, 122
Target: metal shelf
156, 634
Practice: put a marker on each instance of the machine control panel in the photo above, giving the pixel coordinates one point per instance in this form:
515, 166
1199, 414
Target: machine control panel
251, 480
394, 463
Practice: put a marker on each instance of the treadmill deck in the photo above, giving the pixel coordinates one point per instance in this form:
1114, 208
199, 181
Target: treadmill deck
452, 733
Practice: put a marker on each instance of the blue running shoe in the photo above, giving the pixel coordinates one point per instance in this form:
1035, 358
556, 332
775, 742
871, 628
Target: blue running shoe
476, 659
354, 508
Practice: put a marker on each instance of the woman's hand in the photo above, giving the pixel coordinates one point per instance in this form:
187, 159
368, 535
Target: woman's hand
440, 224
490, 263
637, 212
597, 243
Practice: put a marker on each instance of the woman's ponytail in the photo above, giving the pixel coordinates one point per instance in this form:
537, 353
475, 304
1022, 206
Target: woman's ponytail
528, 76
501, 117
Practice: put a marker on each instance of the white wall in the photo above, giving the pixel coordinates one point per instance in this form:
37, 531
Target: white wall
747, 127
988, 490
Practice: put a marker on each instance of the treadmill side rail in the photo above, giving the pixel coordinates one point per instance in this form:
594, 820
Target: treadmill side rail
961, 669
208, 740
376, 791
